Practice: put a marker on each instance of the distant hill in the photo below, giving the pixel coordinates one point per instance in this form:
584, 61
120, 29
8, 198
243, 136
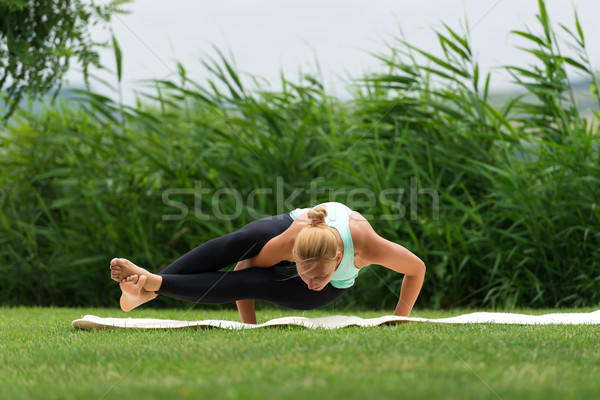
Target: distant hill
65, 93
581, 92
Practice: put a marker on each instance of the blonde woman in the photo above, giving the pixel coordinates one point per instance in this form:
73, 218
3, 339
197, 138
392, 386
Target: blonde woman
301, 260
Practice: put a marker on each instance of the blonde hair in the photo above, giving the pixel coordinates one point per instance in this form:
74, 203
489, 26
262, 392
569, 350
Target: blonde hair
316, 242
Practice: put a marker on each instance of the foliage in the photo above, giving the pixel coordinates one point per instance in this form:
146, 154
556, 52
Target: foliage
499, 200
40, 39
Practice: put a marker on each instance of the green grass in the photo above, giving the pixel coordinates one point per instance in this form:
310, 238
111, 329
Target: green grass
42, 356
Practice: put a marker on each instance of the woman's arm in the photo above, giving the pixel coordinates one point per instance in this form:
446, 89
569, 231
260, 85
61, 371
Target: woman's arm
377, 250
246, 310
245, 307
275, 250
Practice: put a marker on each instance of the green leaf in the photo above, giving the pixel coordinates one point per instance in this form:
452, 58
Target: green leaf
531, 37
443, 64
118, 57
462, 40
545, 20
576, 64
579, 30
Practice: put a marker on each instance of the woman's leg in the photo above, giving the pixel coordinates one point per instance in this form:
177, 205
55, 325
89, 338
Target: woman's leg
210, 256
216, 253
278, 285
231, 248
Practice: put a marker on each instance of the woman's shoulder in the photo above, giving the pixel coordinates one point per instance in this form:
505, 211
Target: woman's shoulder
362, 234
358, 224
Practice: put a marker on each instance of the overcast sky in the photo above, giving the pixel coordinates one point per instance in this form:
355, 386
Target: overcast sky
267, 36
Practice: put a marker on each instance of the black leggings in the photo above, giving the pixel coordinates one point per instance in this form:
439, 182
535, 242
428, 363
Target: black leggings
195, 277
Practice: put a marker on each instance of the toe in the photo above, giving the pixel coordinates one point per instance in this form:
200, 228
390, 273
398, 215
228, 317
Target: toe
122, 262
142, 280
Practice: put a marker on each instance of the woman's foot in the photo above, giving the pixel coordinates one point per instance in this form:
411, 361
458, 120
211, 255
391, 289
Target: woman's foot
121, 268
133, 292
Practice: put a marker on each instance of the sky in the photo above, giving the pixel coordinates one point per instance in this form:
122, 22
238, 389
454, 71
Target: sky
267, 37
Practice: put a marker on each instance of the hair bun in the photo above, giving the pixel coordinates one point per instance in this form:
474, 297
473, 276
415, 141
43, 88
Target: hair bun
317, 215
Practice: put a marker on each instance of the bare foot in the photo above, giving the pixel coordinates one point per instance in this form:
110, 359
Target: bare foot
121, 268
133, 292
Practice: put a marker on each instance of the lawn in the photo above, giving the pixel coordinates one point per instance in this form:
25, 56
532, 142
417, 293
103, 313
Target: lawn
43, 357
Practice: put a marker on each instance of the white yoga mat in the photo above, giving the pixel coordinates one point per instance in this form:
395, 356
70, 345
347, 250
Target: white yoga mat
339, 321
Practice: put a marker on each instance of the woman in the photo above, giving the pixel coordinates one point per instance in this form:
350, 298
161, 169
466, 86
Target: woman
329, 244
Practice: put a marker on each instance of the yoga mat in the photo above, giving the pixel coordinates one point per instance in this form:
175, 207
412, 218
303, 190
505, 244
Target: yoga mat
90, 322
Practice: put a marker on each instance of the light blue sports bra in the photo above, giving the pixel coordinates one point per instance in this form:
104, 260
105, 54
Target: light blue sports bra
338, 216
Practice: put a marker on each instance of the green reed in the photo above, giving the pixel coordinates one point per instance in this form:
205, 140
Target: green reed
515, 179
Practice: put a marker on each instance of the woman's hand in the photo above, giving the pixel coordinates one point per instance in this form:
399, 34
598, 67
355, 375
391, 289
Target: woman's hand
244, 264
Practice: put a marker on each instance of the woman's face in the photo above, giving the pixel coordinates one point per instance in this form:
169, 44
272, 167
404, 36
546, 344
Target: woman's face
317, 275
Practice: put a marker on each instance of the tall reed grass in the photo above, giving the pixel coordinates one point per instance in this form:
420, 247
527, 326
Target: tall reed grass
518, 181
